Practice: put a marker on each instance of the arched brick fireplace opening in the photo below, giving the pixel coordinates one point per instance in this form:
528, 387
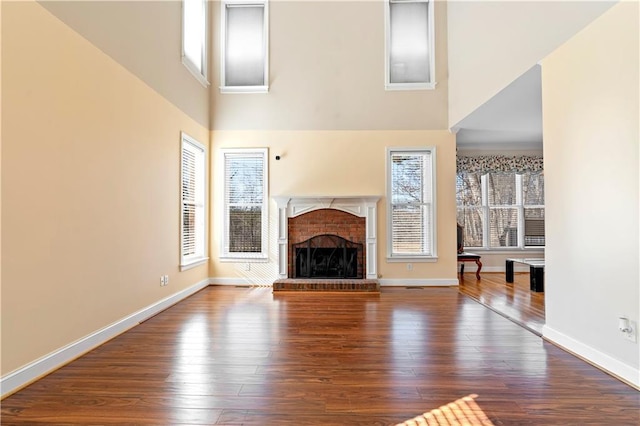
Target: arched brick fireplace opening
326, 243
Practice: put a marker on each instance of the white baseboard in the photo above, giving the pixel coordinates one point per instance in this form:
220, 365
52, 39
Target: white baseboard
417, 282
390, 282
243, 281
601, 360
31, 372
471, 267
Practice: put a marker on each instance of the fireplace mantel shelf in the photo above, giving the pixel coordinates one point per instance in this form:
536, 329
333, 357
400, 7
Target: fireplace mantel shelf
327, 197
297, 205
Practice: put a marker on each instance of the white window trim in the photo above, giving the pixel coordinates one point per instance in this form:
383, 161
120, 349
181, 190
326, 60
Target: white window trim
199, 74
223, 31
391, 257
263, 256
430, 85
198, 259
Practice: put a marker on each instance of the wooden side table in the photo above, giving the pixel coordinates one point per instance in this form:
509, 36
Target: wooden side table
470, 257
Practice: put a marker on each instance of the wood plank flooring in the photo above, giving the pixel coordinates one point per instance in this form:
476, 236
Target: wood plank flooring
247, 356
513, 300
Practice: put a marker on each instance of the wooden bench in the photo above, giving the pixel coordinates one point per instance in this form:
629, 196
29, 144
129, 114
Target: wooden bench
470, 257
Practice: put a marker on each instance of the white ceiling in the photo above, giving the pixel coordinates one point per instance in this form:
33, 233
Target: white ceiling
512, 119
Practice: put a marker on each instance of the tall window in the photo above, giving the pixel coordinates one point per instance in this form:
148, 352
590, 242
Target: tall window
192, 244
502, 210
245, 203
410, 203
244, 46
194, 38
409, 45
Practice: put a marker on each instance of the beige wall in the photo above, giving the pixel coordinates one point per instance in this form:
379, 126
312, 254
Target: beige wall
145, 37
90, 188
491, 43
591, 137
332, 163
329, 118
327, 73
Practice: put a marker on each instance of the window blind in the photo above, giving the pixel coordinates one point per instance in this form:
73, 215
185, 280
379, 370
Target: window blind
245, 47
533, 200
188, 203
501, 209
244, 202
470, 213
411, 203
193, 200
409, 54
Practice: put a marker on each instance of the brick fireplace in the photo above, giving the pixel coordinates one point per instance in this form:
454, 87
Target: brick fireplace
352, 219
322, 236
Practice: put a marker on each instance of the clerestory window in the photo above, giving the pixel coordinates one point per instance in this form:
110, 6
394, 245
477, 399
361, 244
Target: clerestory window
194, 38
245, 46
410, 59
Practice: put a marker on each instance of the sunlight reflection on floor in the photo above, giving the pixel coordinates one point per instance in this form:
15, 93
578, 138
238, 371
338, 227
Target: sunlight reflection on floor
463, 411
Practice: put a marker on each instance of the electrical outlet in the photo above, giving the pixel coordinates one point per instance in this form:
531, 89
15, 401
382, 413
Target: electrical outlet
628, 328
632, 335
409, 266
166, 280
161, 280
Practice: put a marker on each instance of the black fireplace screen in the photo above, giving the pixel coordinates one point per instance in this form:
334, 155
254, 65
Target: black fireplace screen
328, 256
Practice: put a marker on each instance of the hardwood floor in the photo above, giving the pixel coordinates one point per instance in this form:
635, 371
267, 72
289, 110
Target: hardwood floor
512, 300
248, 356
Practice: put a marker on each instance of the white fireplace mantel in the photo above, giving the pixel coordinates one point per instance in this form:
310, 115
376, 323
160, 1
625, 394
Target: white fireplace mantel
361, 206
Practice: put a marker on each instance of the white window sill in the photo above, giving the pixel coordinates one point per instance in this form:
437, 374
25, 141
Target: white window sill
412, 259
505, 250
240, 258
195, 72
244, 89
409, 86
192, 263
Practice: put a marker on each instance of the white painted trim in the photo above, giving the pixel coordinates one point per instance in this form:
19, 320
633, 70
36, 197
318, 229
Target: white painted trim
244, 89
361, 206
202, 79
417, 282
412, 259
389, 282
601, 360
33, 371
405, 257
409, 86
233, 281
193, 263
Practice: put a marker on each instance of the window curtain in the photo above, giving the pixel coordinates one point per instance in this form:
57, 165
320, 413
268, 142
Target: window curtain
500, 163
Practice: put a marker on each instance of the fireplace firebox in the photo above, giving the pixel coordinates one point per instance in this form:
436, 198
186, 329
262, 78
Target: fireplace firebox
328, 256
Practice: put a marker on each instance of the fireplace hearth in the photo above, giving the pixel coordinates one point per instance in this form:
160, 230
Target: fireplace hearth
328, 256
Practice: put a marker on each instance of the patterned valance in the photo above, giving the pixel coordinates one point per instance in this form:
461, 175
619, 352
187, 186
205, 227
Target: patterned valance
500, 163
